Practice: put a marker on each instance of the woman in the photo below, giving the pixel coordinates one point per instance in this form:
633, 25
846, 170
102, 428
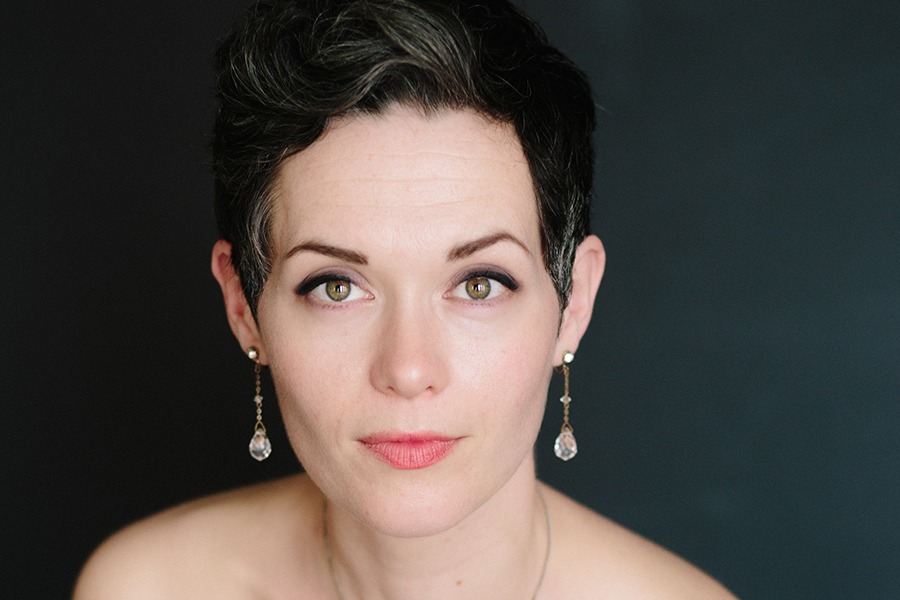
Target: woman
403, 190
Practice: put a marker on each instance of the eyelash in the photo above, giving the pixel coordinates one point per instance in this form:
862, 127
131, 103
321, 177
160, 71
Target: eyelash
307, 289
309, 285
504, 279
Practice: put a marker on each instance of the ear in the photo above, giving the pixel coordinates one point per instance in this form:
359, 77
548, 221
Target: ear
587, 271
241, 320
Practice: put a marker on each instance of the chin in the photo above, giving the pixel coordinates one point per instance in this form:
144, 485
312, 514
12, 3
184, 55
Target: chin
407, 505
415, 513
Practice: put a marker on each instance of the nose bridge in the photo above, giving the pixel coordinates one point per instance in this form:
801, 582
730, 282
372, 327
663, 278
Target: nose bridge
409, 361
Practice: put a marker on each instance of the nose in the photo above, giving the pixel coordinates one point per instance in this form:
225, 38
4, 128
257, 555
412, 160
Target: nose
409, 360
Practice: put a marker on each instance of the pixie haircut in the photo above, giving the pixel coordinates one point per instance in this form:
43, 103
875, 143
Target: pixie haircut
288, 68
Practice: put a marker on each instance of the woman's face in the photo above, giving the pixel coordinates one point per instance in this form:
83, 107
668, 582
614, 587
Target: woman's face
409, 322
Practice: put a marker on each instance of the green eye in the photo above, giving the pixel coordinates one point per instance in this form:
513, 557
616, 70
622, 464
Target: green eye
478, 288
337, 289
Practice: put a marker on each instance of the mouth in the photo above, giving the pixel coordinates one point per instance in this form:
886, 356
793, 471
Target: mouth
406, 451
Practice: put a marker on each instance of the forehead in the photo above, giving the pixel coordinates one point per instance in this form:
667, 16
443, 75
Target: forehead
404, 172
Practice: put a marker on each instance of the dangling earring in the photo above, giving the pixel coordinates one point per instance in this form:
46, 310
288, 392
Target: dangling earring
565, 446
260, 446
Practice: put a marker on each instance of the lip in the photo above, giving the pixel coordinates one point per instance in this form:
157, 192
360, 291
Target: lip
408, 451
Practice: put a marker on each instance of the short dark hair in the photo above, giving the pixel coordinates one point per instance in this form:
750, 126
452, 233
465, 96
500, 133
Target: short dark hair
288, 67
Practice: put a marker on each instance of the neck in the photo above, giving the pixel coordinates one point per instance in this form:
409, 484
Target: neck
498, 551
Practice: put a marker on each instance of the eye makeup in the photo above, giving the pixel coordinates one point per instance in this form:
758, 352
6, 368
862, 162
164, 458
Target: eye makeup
311, 283
507, 281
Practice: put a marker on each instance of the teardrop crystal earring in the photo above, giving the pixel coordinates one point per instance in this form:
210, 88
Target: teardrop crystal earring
565, 447
260, 446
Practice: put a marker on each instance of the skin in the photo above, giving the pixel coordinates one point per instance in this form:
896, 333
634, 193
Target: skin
408, 294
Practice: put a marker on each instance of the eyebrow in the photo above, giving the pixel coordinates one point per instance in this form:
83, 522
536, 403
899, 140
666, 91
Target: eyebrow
468, 248
456, 253
350, 256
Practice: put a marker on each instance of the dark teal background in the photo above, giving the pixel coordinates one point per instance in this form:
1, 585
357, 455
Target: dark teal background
736, 398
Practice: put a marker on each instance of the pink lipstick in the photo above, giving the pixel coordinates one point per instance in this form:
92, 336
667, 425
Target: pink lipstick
409, 451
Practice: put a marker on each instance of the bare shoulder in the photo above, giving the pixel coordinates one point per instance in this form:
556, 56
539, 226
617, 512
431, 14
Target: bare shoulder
601, 559
214, 547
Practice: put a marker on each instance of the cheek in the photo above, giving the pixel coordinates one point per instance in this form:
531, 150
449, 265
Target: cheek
512, 378
305, 353
316, 403
308, 383
314, 380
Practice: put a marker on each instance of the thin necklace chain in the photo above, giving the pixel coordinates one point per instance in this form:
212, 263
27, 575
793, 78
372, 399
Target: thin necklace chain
337, 587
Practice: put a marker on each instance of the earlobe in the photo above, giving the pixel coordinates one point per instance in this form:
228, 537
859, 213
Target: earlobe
587, 271
240, 318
